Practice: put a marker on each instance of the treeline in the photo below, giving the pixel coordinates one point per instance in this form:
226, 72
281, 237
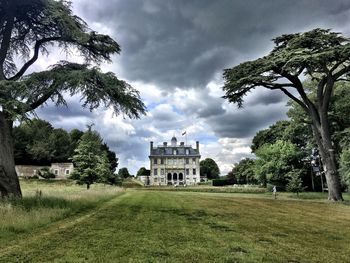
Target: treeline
286, 153
38, 143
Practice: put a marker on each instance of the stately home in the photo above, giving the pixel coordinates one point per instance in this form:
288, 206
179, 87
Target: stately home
174, 164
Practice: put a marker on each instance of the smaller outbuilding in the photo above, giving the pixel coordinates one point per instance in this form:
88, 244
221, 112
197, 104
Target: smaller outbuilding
60, 170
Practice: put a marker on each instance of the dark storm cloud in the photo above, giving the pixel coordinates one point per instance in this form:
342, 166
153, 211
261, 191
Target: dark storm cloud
245, 123
184, 43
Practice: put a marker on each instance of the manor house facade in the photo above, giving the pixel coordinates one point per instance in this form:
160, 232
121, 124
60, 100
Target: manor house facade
174, 164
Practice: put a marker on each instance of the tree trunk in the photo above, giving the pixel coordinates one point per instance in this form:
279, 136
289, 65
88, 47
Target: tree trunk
324, 142
9, 183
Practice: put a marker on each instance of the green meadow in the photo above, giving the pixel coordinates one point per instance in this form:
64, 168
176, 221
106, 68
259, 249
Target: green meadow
67, 223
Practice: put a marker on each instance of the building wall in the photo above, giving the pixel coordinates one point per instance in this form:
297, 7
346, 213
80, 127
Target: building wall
61, 170
162, 166
27, 171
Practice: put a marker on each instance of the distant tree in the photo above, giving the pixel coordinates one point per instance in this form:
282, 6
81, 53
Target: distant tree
321, 55
103, 169
244, 171
123, 173
37, 142
89, 159
275, 161
75, 136
111, 156
143, 171
209, 168
28, 29
295, 184
59, 142
231, 178
345, 168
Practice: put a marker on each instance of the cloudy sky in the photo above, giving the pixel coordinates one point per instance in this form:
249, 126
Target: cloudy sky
174, 53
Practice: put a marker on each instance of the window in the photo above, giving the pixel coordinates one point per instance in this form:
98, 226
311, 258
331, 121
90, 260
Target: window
175, 161
162, 161
155, 161
155, 180
55, 171
181, 161
67, 171
175, 152
155, 171
161, 171
162, 180
187, 161
194, 172
170, 161
187, 171
193, 160
187, 151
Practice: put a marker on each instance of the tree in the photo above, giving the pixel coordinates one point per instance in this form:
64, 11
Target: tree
292, 131
103, 169
345, 167
209, 168
143, 171
75, 136
295, 184
90, 162
244, 171
275, 161
37, 142
27, 29
111, 158
123, 173
319, 54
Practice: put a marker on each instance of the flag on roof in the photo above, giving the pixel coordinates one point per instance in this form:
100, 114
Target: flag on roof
183, 133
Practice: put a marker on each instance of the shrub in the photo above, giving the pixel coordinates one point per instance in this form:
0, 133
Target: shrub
220, 182
46, 173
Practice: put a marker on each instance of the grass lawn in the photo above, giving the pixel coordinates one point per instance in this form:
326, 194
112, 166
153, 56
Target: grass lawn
175, 226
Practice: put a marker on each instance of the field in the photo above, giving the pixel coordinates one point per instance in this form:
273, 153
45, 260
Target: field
110, 225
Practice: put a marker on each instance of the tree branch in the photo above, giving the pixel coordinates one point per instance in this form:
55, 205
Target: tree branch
5, 43
37, 46
290, 95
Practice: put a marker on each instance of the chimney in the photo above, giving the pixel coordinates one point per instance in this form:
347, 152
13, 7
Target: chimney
151, 146
182, 144
197, 146
165, 144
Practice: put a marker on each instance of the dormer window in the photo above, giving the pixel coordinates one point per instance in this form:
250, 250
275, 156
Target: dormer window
175, 152
187, 151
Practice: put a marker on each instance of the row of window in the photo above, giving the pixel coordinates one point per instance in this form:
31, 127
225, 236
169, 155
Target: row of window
162, 180
162, 171
173, 161
175, 151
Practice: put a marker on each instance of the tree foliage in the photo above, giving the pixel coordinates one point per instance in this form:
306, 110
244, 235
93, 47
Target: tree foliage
295, 184
319, 54
345, 168
276, 161
243, 171
90, 162
143, 171
27, 30
123, 173
209, 168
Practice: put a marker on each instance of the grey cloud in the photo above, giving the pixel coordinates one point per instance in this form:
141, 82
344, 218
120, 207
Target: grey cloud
184, 43
245, 123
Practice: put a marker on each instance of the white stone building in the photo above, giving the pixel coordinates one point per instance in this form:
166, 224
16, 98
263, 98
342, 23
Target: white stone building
174, 164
